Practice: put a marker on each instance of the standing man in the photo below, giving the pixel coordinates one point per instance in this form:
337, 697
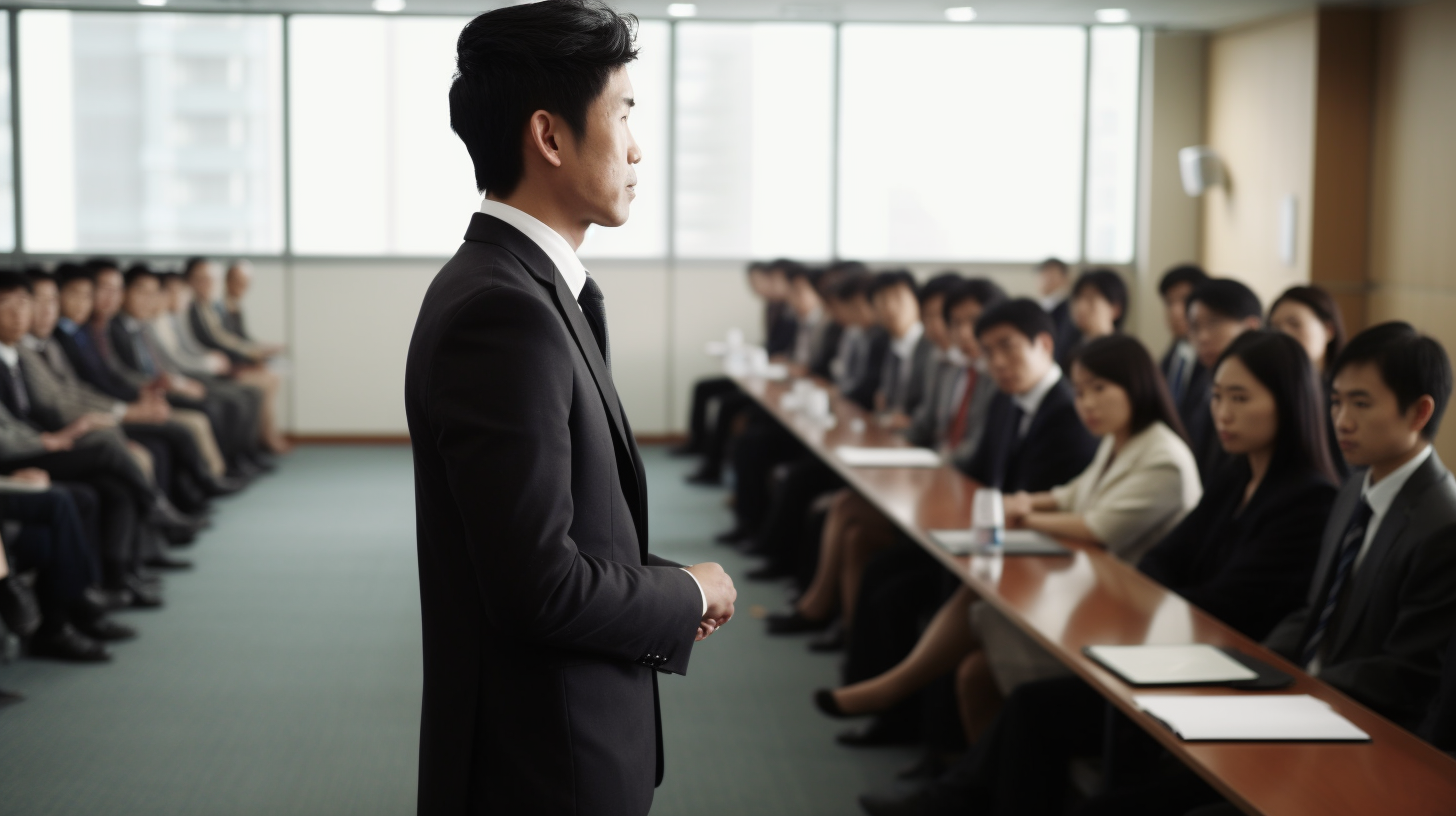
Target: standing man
545, 619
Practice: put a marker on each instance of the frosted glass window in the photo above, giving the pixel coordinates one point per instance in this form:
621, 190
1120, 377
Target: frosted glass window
151, 132
376, 168
754, 136
1112, 131
961, 143
645, 233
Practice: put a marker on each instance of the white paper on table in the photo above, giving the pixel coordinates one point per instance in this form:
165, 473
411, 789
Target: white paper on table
1170, 664
1253, 718
887, 457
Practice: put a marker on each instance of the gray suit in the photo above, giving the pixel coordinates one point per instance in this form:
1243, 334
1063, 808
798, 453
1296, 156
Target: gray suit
981, 399
1382, 645
931, 419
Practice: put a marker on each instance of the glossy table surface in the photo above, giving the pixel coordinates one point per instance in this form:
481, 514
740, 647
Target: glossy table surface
1093, 598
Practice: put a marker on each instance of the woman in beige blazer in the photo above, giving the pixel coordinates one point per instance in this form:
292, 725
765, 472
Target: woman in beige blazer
1142, 481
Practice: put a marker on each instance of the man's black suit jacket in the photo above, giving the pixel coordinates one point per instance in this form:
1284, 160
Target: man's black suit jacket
1054, 450
1383, 644
545, 619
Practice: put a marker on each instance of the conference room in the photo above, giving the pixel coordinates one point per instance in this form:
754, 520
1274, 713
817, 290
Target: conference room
1014, 408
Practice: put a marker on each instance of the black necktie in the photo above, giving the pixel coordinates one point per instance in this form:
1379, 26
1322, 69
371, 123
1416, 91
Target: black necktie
19, 400
1344, 563
593, 305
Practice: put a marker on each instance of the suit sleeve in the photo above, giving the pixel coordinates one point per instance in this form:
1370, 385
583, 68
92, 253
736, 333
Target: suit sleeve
500, 391
1400, 678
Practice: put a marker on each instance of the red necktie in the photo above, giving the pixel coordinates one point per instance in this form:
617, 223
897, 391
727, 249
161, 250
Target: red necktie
963, 411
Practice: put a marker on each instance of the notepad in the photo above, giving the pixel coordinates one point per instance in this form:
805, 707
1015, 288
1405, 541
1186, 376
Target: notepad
9, 485
1171, 664
1254, 718
887, 457
1013, 542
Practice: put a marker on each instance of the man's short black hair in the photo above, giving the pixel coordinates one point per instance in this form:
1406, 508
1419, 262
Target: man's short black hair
1411, 364
981, 290
192, 264
895, 277
939, 285
1055, 263
1181, 274
852, 287
796, 271
555, 55
1228, 297
1023, 314
35, 273
138, 272
67, 273
1108, 284
11, 281
98, 265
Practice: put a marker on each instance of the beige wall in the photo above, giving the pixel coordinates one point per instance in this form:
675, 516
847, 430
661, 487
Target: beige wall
1413, 219
1174, 76
1261, 118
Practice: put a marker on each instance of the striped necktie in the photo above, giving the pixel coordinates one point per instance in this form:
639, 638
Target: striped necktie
1344, 565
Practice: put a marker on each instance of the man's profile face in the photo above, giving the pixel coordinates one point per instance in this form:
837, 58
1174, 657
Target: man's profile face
141, 298
16, 307
108, 293
1016, 362
601, 159
77, 299
47, 309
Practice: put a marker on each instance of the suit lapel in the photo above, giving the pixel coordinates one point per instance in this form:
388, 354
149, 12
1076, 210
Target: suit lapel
629, 462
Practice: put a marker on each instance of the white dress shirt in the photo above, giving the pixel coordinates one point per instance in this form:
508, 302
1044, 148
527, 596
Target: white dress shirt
1381, 495
1030, 401
572, 271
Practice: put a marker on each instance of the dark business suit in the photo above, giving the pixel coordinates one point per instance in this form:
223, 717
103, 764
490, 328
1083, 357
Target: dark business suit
1399, 607
1055, 448
545, 619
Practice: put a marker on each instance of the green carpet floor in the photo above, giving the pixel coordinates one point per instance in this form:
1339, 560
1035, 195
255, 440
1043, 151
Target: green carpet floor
283, 676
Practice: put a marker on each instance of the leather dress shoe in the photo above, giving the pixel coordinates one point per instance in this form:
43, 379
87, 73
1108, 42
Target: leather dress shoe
879, 732
704, 478
825, 702
144, 594
927, 768
167, 562
18, 606
109, 599
794, 623
67, 644
223, 486
103, 629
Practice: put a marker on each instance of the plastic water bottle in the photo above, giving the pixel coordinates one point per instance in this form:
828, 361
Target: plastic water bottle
988, 521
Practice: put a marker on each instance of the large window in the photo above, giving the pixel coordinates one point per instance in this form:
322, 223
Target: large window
151, 132
164, 132
961, 142
754, 139
376, 169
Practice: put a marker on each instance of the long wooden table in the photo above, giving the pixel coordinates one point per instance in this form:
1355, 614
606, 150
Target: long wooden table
1093, 598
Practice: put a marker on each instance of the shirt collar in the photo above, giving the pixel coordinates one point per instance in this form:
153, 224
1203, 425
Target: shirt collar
33, 343
1382, 494
1054, 300
10, 355
905, 346
67, 325
1031, 400
549, 240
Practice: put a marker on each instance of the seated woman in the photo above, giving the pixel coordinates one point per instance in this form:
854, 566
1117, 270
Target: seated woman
854, 530
1246, 555
1142, 481
1098, 307
1311, 316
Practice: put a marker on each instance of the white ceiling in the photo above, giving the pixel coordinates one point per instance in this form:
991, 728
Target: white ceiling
1187, 14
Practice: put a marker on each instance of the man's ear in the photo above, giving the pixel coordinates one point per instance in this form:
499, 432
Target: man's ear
543, 132
1420, 412
1046, 343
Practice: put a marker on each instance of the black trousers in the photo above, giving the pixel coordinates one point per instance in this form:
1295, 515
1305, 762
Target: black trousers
51, 542
764, 445
782, 536
186, 472
730, 406
232, 410
704, 392
124, 496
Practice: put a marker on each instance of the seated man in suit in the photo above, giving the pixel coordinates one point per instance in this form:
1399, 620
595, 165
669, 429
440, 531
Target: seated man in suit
123, 306
1180, 360
1099, 308
55, 387
927, 425
1219, 310
864, 343
51, 542
780, 324
77, 295
818, 334
905, 371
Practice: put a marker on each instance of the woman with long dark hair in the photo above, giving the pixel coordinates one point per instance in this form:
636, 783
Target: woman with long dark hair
1311, 316
1142, 480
